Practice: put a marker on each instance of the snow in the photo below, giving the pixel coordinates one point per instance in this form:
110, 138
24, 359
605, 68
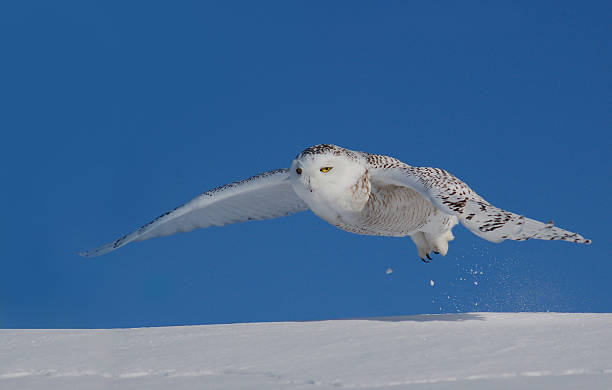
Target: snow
444, 351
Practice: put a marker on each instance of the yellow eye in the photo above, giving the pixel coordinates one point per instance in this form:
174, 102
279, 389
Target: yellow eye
326, 169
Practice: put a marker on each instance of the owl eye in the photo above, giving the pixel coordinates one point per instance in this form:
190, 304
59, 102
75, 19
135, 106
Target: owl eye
326, 169
298, 171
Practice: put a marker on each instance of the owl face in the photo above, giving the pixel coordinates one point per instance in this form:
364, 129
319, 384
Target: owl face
325, 177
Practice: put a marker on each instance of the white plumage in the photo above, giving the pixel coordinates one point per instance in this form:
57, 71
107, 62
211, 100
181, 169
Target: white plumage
358, 192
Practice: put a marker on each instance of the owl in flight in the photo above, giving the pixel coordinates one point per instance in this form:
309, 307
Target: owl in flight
358, 192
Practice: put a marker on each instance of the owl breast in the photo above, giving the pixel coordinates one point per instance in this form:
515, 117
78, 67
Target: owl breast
389, 211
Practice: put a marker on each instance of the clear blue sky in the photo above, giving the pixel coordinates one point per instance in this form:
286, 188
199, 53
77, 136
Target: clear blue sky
114, 112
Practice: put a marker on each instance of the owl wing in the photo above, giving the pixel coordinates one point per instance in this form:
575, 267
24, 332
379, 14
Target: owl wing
264, 196
454, 197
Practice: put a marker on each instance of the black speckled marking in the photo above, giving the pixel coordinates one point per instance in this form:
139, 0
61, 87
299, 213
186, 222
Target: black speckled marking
477, 214
328, 149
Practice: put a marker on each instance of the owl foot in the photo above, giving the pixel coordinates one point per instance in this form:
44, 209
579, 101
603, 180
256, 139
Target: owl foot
428, 242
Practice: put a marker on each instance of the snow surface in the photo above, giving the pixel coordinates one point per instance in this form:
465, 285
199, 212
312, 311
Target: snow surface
444, 351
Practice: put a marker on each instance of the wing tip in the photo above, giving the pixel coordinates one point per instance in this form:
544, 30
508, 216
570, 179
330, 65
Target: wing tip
88, 254
578, 240
104, 249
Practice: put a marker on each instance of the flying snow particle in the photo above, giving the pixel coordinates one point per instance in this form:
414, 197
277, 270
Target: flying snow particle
389, 271
431, 283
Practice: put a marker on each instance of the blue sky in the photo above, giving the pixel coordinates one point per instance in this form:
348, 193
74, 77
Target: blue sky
114, 112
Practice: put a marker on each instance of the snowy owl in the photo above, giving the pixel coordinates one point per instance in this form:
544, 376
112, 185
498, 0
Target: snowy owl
358, 192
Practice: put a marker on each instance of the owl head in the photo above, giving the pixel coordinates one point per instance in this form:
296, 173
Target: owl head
326, 172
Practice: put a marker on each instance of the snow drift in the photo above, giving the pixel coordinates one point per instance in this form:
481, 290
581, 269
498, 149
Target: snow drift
454, 351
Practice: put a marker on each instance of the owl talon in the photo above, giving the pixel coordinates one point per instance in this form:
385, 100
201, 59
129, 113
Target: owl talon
429, 257
425, 261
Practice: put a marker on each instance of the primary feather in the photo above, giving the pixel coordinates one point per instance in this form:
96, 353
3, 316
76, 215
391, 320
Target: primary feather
268, 195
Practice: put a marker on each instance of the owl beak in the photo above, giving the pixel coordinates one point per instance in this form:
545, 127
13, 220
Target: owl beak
307, 184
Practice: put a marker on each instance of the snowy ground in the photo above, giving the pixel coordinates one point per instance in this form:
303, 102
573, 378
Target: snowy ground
457, 351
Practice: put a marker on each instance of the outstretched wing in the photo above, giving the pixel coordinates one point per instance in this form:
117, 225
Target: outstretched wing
454, 197
268, 195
